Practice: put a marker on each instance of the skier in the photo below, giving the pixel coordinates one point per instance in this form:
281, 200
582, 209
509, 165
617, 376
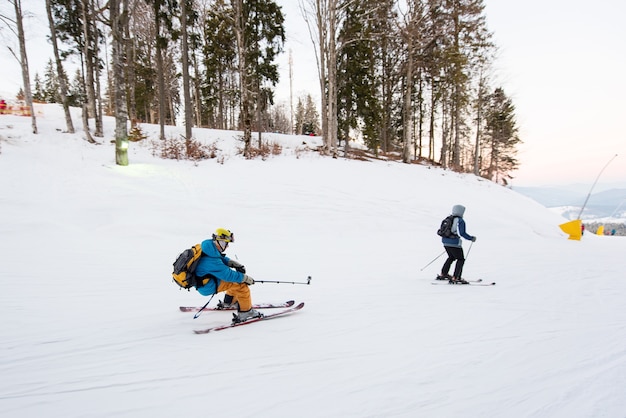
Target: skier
214, 268
452, 245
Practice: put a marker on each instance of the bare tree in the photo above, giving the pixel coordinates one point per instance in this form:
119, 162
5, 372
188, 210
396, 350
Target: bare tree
321, 18
23, 59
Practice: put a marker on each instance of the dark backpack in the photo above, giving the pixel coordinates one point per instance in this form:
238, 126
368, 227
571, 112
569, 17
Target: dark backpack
185, 267
445, 230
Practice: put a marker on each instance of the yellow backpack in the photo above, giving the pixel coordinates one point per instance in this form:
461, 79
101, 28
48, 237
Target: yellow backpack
185, 267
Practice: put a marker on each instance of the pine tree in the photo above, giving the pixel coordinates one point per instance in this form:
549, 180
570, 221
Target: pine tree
465, 38
38, 93
74, 22
358, 80
299, 117
502, 132
219, 54
311, 117
51, 84
63, 88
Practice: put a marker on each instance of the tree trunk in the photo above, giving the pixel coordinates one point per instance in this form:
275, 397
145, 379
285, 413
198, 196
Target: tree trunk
431, 124
243, 76
89, 64
479, 108
456, 150
24, 62
444, 132
129, 48
198, 92
332, 76
117, 48
160, 71
185, 68
86, 124
408, 88
321, 24
96, 68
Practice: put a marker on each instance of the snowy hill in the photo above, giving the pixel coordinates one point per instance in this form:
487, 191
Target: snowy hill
90, 321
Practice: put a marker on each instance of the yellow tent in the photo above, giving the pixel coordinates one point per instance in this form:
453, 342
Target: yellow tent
573, 228
600, 230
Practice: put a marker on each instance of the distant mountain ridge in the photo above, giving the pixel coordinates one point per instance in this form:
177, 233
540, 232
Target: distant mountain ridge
605, 204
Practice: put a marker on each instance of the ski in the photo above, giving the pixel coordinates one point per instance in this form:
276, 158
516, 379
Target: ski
470, 283
287, 304
250, 321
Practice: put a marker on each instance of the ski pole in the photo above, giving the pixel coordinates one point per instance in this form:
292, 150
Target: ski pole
469, 249
308, 281
434, 259
205, 305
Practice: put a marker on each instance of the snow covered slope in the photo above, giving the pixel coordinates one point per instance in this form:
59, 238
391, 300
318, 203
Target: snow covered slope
90, 322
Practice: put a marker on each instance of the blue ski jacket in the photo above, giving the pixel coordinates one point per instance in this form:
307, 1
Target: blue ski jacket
458, 227
215, 265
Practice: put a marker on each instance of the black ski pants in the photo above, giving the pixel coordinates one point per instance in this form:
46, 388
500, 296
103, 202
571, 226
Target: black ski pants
454, 253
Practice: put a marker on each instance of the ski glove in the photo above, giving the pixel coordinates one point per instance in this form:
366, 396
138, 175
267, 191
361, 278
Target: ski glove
237, 266
248, 280
473, 239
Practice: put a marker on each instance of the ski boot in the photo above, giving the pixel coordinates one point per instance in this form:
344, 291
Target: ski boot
228, 303
244, 316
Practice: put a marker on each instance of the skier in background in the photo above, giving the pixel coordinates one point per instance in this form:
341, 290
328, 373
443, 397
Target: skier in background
454, 248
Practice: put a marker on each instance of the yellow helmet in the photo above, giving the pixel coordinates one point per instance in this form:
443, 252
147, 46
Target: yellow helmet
223, 234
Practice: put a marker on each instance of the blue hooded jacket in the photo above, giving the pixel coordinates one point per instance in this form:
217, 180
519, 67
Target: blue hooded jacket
458, 227
215, 264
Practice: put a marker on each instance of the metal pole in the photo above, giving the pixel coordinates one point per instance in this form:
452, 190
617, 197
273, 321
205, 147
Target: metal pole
434, 259
594, 185
308, 281
469, 249
205, 305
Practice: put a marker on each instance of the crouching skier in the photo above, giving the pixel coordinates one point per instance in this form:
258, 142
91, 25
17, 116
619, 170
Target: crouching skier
215, 274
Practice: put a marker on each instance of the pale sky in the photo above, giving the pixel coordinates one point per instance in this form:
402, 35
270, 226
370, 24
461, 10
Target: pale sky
562, 62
